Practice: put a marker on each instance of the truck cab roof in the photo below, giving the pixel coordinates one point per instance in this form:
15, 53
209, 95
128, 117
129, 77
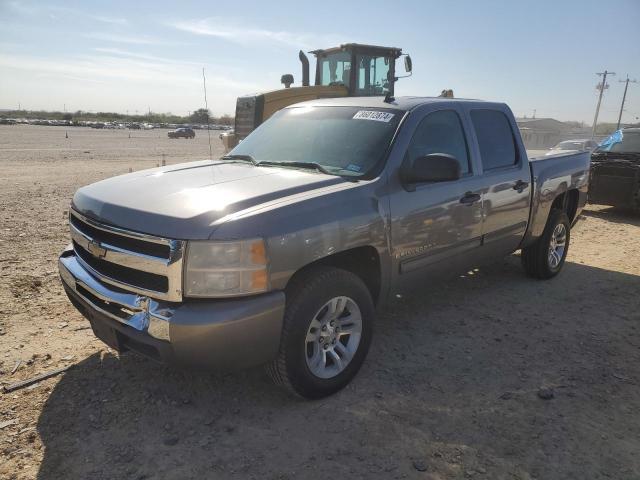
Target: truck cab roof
398, 103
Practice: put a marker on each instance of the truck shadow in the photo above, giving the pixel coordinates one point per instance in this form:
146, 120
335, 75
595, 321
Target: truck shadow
450, 383
615, 215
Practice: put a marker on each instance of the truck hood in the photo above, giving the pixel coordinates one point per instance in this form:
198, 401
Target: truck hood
184, 201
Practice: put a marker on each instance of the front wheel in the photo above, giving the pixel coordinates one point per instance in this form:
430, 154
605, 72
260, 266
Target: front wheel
326, 333
544, 258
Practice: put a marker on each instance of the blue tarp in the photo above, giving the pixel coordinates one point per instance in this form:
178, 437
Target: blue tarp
610, 141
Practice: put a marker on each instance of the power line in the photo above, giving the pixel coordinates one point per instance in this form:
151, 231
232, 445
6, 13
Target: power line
601, 86
624, 97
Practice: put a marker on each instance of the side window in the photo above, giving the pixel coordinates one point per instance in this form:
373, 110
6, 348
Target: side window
495, 139
372, 75
440, 132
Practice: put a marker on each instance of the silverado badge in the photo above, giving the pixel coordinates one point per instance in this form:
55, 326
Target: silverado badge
96, 249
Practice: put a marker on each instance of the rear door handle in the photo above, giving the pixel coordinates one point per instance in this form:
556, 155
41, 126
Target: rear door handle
470, 198
520, 185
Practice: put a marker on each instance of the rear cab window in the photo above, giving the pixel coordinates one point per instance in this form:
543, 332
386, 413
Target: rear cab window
495, 139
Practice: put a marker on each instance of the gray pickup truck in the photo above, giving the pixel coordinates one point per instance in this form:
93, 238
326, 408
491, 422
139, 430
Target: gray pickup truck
280, 252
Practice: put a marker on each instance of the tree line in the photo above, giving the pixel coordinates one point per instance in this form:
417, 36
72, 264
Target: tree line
198, 116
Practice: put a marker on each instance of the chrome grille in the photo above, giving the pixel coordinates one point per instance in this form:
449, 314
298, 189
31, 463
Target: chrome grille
132, 261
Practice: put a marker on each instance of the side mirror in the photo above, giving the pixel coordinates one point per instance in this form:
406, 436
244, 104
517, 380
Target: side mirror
286, 80
408, 65
435, 167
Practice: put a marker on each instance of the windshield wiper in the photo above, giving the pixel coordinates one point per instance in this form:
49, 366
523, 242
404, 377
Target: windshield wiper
243, 158
307, 165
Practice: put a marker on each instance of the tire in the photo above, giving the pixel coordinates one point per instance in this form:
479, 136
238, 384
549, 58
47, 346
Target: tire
310, 301
537, 258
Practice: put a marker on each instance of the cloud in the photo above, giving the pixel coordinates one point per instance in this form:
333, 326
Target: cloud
54, 12
243, 34
129, 39
117, 52
65, 76
116, 80
110, 20
22, 8
115, 69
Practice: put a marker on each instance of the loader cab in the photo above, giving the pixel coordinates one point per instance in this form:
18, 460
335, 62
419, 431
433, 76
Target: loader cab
365, 70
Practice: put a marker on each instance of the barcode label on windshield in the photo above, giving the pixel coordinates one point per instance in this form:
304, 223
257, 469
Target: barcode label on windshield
373, 115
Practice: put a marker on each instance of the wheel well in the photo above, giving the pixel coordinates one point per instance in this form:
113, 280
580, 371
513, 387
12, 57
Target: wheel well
567, 202
361, 261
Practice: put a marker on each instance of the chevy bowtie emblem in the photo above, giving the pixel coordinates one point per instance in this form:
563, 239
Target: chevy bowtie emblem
96, 249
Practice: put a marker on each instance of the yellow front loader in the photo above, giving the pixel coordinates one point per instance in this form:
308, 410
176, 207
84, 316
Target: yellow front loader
350, 70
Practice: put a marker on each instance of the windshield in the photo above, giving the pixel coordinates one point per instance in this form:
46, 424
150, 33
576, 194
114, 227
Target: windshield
335, 69
621, 142
344, 140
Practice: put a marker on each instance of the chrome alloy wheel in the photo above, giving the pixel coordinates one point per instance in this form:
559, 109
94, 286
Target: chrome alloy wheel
333, 337
557, 245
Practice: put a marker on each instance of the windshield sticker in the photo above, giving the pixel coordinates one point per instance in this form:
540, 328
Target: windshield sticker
373, 115
353, 168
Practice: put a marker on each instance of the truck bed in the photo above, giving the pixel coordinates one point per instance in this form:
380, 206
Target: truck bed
552, 176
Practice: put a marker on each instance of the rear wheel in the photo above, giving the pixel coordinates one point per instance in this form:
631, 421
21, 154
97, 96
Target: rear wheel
544, 259
326, 333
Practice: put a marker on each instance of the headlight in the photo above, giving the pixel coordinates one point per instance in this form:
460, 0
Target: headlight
224, 269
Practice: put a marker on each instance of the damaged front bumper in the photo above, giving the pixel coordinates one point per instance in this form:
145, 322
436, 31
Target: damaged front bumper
208, 334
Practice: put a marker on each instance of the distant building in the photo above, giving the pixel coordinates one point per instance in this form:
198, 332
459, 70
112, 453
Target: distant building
541, 133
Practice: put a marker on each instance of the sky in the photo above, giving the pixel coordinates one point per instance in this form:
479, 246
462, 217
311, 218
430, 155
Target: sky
130, 57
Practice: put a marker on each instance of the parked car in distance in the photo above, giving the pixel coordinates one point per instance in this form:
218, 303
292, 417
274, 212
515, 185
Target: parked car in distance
279, 252
577, 145
615, 170
184, 132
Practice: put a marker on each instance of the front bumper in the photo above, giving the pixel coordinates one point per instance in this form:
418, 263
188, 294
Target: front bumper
205, 334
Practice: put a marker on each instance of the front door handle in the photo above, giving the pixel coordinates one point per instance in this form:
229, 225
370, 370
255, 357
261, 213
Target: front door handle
470, 198
520, 185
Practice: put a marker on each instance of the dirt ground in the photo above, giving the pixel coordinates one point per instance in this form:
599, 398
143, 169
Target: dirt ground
451, 388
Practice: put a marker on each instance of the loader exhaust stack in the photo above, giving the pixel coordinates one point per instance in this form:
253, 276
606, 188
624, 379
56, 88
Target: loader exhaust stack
305, 68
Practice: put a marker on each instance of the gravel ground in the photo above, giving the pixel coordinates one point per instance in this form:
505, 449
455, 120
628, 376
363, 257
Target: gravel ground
490, 376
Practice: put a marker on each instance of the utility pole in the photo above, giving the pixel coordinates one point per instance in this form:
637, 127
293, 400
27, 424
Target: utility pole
624, 97
601, 87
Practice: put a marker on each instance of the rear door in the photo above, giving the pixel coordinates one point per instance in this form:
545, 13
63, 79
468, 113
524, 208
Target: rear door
507, 179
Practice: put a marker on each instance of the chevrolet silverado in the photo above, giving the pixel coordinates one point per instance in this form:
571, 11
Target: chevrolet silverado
280, 252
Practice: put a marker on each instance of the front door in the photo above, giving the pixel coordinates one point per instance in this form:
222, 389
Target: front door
436, 227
